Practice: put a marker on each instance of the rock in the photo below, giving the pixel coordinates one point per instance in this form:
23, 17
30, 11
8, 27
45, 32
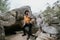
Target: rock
8, 21
38, 32
13, 19
50, 30
2, 33
44, 36
9, 18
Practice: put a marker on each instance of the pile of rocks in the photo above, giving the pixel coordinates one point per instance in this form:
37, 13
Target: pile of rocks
47, 33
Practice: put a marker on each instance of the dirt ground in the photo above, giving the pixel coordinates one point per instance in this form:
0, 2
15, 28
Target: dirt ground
16, 37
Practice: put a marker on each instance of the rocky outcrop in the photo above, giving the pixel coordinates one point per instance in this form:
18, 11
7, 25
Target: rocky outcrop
9, 18
12, 20
48, 32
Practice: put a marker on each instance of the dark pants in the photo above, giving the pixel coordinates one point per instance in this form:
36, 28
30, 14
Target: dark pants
29, 32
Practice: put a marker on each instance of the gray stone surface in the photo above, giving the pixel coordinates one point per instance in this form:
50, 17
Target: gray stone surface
2, 33
45, 36
50, 29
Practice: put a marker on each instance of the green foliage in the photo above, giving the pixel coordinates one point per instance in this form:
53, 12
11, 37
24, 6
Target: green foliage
50, 14
3, 5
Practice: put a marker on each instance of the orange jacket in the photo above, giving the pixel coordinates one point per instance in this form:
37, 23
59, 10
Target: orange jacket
27, 19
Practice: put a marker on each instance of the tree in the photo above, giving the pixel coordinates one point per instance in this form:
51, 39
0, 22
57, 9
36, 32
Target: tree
52, 14
48, 14
4, 5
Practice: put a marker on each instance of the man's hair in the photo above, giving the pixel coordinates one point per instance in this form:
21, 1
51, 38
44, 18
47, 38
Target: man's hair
26, 11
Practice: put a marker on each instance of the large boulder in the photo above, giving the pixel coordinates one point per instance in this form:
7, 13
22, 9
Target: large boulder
13, 20
9, 18
50, 30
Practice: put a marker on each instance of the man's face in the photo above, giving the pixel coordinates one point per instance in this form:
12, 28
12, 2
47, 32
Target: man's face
27, 13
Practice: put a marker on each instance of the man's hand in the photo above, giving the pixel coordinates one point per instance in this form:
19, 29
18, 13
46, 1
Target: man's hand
32, 21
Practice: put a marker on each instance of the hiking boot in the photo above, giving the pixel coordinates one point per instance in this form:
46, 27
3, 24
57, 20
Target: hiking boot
27, 38
36, 37
24, 35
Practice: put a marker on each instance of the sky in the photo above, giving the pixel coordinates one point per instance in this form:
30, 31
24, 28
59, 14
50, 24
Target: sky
36, 5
